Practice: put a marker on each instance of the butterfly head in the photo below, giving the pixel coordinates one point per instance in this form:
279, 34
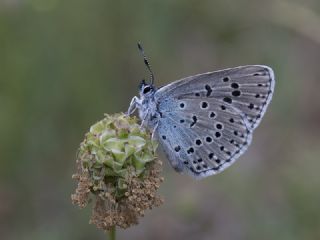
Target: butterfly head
146, 89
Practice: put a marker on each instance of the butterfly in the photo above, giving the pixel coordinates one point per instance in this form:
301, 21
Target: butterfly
205, 122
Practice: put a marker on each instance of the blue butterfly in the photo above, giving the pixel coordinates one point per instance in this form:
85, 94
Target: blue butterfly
205, 122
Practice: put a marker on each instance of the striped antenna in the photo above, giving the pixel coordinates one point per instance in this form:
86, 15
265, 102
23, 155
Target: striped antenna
146, 62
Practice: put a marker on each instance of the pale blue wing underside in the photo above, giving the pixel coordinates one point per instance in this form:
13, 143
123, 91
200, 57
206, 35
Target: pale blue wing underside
205, 141
207, 120
247, 88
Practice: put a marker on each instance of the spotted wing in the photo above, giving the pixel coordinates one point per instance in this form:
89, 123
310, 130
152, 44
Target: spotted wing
247, 88
202, 136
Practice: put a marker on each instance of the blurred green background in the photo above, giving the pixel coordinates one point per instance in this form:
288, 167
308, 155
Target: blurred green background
65, 63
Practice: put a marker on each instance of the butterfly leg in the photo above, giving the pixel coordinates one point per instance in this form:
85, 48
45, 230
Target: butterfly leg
155, 125
133, 105
143, 121
153, 131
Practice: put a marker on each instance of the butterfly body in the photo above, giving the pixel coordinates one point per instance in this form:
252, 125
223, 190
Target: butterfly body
205, 122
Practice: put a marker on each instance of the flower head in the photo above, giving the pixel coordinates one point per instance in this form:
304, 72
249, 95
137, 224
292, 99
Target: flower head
118, 169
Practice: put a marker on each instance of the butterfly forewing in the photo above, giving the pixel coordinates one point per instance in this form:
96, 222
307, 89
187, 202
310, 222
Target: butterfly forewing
248, 89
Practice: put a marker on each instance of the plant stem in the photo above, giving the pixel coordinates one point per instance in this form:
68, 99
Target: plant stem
112, 233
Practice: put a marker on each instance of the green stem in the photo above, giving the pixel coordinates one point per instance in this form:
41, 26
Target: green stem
112, 233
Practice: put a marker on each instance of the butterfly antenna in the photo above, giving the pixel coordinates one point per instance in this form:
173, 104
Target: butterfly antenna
146, 62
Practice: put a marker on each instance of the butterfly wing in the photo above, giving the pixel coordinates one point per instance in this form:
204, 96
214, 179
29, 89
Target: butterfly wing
204, 137
247, 88
205, 125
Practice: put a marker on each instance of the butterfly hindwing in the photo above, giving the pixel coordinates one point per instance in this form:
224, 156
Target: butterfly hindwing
202, 136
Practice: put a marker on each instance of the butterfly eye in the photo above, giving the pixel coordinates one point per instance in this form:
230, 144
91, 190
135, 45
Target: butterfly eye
146, 90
